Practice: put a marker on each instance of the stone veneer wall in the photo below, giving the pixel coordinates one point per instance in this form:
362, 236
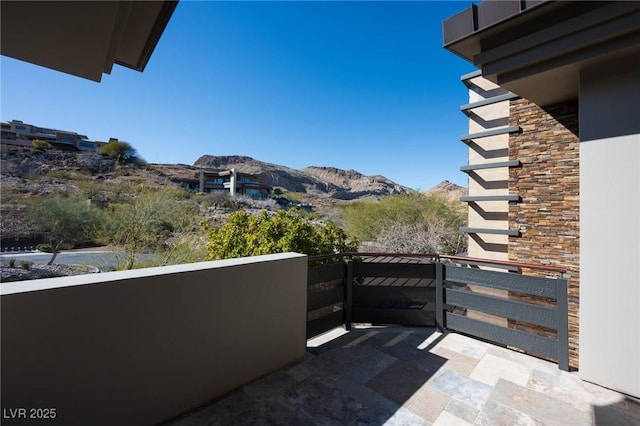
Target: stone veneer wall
548, 183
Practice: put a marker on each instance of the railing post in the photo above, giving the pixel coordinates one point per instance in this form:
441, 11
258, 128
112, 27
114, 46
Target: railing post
348, 303
562, 301
440, 321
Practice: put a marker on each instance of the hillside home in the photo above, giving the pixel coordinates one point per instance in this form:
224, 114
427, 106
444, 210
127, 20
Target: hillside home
224, 181
233, 182
17, 132
554, 147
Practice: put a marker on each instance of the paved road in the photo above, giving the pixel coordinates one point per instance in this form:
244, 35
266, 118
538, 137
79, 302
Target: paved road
104, 260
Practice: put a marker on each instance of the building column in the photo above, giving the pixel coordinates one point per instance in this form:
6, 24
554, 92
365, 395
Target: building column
232, 188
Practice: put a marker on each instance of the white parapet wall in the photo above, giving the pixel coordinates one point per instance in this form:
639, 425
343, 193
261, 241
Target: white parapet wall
143, 346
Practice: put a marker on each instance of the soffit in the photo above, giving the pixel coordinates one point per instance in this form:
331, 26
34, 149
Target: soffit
83, 38
540, 52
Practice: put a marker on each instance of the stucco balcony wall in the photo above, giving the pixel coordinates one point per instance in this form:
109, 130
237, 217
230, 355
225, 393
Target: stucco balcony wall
142, 346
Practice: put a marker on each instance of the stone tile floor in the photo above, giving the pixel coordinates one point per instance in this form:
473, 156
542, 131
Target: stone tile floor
416, 376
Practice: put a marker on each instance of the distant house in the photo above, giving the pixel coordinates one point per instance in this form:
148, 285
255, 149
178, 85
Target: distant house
224, 181
17, 132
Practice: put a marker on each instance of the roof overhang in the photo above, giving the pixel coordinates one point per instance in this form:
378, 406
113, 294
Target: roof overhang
83, 38
537, 49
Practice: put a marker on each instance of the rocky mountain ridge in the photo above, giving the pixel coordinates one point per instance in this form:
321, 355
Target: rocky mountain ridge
330, 182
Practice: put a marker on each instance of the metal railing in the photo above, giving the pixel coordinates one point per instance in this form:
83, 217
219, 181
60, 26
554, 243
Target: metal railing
435, 290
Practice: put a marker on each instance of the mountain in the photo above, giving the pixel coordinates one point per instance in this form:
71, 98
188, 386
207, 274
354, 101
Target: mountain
326, 182
449, 189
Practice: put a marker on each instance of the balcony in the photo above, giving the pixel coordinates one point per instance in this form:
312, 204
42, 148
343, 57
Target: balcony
415, 376
271, 339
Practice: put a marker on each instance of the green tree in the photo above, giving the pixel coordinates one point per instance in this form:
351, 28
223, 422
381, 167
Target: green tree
63, 220
122, 151
246, 235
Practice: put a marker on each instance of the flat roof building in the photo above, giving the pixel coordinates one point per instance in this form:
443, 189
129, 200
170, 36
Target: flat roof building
17, 132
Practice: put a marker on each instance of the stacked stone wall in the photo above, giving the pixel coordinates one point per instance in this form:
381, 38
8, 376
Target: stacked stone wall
548, 183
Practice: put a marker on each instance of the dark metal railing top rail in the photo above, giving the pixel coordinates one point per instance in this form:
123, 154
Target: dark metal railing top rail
433, 256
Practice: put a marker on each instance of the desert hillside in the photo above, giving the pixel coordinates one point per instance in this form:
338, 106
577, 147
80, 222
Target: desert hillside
28, 172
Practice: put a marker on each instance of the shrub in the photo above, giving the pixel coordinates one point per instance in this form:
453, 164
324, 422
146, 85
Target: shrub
11, 262
221, 199
45, 248
245, 235
293, 197
25, 264
60, 174
312, 215
41, 145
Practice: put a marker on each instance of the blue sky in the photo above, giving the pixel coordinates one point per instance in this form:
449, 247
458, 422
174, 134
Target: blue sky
353, 85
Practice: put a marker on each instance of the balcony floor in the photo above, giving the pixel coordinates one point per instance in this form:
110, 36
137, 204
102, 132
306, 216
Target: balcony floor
417, 376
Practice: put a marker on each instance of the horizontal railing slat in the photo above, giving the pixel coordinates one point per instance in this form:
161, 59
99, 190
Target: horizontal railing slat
325, 323
324, 273
320, 299
511, 309
529, 342
394, 270
537, 286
